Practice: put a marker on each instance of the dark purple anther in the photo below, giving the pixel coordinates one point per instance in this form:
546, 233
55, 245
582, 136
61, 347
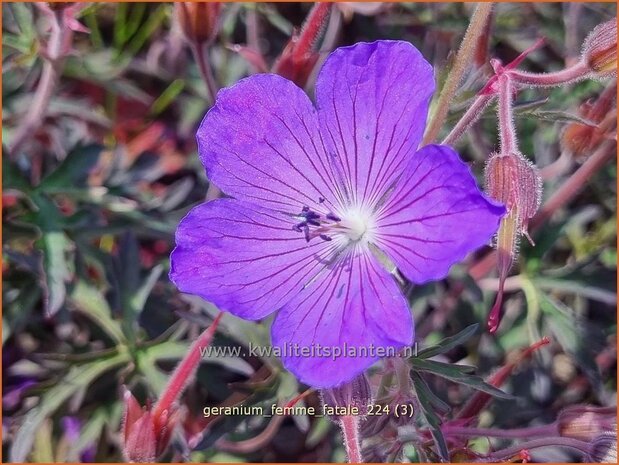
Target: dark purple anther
324, 237
332, 217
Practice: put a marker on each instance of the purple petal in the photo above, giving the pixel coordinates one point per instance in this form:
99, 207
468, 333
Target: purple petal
260, 143
435, 216
372, 105
355, 304
245, 259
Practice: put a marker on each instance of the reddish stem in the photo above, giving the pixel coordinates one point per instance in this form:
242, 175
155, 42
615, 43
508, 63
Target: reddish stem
184, 372
568, 75
350, 431
507, 132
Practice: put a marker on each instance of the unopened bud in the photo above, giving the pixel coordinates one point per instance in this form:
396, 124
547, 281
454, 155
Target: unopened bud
354, 394
599, 50
145, 436
604, 448
198, 20
586, 422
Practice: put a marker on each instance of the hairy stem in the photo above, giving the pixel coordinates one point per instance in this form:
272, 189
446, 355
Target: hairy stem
507, 131
566, 76
462, 61
350, 431
469, 118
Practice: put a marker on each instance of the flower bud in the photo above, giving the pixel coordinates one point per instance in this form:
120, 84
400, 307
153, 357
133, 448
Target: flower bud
604, 448
356, 393
198, 20
599, 50
145, 435
585, 422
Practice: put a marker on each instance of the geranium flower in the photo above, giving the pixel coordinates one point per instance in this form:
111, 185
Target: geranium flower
324, 198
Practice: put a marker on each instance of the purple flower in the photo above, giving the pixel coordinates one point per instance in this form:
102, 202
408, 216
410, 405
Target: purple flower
324, 199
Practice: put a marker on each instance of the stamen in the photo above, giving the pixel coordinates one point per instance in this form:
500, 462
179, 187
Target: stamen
324, 237
332, 217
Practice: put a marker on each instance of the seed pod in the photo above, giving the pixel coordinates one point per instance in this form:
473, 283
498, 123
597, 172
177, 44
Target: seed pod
516, 182
599, 49
198, 20
585, 422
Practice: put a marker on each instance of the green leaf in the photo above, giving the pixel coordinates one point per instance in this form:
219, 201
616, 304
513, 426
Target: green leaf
12, 178
458, 374
78, 377
74, 169
426, 402
90, 301
449, 342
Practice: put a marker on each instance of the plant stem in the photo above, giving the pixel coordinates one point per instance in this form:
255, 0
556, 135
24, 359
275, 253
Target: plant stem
350, 431
184, 371
469, 118
565, 76
200, 53
533, 431
576, 182
462, 61
510, 452
507, 132
60, 37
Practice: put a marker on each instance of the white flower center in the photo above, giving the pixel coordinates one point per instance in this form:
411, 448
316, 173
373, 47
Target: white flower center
357, 225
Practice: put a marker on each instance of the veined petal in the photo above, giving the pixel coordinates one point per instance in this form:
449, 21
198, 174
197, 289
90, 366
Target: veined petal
435, 216
372, 103
245, 259
260, 143
357, 305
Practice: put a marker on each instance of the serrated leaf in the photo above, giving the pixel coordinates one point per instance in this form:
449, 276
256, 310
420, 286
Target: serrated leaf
449, 342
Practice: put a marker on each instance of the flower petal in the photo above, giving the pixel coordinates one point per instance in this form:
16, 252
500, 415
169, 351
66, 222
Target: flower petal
372, 103
260, 143
435, 216
356, 304
245, 259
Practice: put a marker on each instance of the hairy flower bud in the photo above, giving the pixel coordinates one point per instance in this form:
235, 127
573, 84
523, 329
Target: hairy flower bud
198, 20
516, 182
604, 448
585, 422
599, 50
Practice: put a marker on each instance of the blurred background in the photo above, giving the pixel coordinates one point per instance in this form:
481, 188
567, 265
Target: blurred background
99, 165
